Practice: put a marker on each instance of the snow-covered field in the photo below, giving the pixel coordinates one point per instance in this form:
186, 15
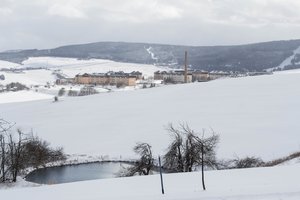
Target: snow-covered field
276, 183
254, 116
21, 96
71, 66
29, 77
68, 67
6, 64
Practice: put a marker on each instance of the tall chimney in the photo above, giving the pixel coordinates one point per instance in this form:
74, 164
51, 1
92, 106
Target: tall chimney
185, 68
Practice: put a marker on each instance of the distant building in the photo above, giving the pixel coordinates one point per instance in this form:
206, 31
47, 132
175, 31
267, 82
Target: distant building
137, 74
109, 78
192, 76
217, 74
200, 76
172, 76
64, 81
259, 73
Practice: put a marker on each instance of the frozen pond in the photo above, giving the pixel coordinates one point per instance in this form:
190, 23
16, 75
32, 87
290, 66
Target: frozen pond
82, 172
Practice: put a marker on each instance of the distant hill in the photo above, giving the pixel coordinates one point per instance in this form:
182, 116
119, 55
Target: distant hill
250, 57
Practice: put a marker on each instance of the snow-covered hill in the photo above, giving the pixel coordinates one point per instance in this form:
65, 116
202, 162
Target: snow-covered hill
251, 57
29, 77
37, 72
68, 67
277, 183
72, 66
253, 115
287, 61
21, 96
5, 64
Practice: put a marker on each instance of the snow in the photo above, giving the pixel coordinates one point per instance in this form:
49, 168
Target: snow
43, 69
29, 77
5, 64
260, 184
287, 61
151, 53
21, 183
22, 96
68, 67
255, 116
72, 66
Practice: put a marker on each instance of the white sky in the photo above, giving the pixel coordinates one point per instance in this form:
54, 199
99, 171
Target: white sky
51, 23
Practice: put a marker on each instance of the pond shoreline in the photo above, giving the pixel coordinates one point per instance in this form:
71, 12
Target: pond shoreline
74, 160
77, 172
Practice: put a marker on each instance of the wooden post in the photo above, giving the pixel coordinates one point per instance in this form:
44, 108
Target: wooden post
202, 152
161, 178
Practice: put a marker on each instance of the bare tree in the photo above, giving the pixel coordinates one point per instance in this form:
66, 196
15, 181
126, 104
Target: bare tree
173, 159
4, 128
188, 150
37, 152
144, 164
3, 153
247, 162
16, 153
19, 150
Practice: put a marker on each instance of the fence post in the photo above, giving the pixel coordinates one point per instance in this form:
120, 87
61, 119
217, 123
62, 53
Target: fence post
161, 178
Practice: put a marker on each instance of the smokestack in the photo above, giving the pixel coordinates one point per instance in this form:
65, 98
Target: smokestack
185, 68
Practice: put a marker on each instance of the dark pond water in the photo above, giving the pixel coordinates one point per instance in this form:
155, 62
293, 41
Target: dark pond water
66, 174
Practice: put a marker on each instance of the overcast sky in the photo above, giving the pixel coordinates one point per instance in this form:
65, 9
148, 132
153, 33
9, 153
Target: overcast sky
51, 23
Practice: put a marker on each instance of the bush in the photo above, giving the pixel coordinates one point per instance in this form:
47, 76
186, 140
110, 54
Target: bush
72, 93
247, 162
16, 87
37, 152
87, 90
61, 92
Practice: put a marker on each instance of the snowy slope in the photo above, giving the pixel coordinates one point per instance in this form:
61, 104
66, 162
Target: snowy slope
5, 64
68, 67
278, 183
71, 66
22, 96
29, 77
287, 61
254, 116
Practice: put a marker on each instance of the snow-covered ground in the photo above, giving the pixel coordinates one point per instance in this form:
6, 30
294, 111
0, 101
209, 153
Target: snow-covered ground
68, 67
254, 116
72, 66
275, 183
29, 77
22, 96
5, 64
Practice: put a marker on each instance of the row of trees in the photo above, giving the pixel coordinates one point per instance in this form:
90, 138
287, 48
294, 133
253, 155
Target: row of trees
187, 152
87, 90
19, 151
